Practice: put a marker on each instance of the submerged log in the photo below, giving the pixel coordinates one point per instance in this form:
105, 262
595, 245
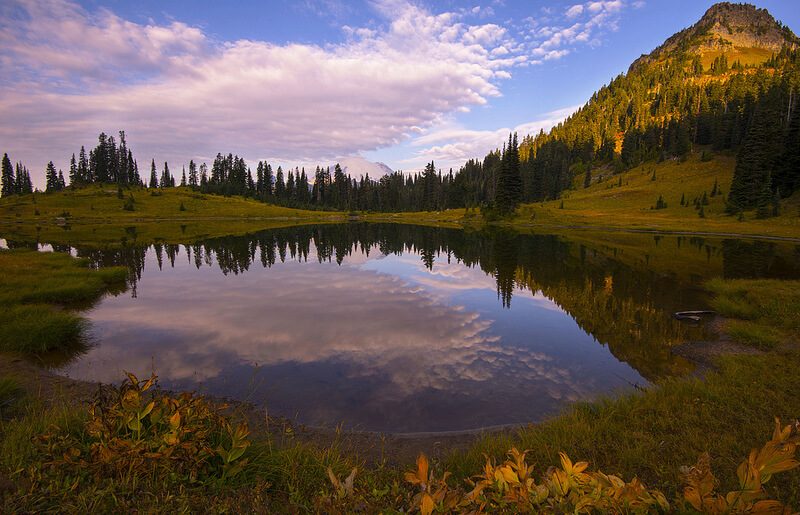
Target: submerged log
694, 316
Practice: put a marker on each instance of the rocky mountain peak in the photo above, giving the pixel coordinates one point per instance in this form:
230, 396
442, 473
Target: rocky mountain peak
724, 26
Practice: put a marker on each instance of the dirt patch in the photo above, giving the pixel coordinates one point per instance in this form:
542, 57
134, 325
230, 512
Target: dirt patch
705, 353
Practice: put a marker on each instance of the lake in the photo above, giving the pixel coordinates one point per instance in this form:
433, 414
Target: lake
402, 328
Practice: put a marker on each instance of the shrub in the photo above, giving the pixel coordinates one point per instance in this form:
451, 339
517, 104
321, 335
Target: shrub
132, 433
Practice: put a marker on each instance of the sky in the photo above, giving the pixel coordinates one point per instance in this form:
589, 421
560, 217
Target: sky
306, 82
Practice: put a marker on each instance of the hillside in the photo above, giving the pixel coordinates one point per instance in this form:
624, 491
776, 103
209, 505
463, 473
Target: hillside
700, 88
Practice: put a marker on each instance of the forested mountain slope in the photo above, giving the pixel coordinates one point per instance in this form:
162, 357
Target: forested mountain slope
701, 87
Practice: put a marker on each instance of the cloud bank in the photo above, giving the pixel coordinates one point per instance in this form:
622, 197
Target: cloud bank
69, 73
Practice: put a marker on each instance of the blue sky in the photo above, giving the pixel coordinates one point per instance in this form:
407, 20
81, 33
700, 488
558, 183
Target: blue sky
312, 81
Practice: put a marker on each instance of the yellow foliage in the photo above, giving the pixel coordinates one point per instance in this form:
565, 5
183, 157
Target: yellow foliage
777, 455
572, 488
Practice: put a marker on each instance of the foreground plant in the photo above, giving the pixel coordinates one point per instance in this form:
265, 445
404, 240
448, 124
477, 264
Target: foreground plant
776, 456
572, 488
133, 433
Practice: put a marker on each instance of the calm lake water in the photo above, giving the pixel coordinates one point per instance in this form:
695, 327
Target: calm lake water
406, 328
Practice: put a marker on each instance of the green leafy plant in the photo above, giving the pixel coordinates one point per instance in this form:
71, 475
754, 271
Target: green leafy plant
133, 432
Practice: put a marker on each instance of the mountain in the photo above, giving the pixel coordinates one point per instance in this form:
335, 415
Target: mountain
357, 167
727, 27
702, 90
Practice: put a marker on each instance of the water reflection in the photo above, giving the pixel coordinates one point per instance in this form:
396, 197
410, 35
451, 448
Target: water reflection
404, 328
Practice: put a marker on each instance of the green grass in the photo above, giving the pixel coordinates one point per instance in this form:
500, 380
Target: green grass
101, 203
626, 201
32, 284
757, 335
11, 394
606, 203
769, 310
38, 328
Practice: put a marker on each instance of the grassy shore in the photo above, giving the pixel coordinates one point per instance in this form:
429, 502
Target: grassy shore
101, 203
32, 285
51, 453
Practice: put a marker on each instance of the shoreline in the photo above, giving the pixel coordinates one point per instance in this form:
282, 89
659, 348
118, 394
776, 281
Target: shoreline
344, 218
372, 447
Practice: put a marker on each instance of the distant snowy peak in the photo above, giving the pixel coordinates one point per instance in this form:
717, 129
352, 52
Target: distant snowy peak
356, 167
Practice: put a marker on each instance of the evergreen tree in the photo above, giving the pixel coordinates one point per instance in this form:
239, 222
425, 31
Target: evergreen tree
429, 187
755, 159
290, 186
192, 173
153, 176
509, 183
51, 178
166, 178
73, 171
26, 185
280, 186
83, 167
8, 179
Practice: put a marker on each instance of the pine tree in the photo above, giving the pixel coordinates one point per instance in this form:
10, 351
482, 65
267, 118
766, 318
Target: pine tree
183, 177
153, 176
166, 179
755, 160
192, 173
51, 178
83, 167
280, 186
73, 171
7, 177
765, 200
509, 183
26, 183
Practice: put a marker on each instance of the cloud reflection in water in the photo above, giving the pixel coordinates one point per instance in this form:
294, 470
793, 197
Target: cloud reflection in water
382, 344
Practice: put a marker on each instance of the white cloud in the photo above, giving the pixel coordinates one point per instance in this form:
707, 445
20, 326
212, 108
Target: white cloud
575, 10
580, 24
70, 73
180, 94
449, 145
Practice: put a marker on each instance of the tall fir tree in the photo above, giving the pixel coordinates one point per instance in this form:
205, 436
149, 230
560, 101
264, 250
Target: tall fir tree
73, 171
153, 176
192, 173
51, 178
509, 182
756, 158
7, 177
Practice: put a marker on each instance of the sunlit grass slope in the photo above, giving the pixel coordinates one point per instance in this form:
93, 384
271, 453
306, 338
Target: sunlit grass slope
629, 200
103, 202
